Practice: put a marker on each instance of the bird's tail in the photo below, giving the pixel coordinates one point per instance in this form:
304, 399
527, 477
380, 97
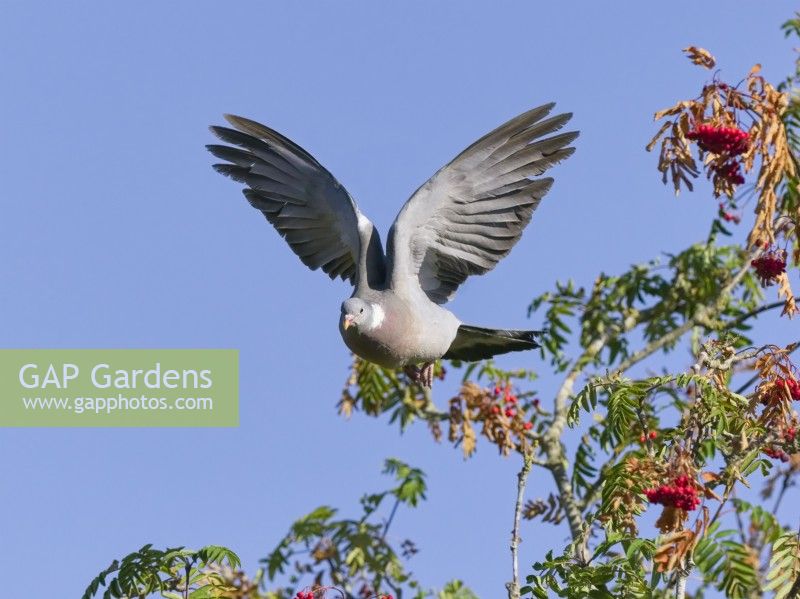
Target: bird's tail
476, 343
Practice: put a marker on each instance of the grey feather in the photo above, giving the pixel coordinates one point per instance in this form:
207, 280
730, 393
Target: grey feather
472, 212
301, 199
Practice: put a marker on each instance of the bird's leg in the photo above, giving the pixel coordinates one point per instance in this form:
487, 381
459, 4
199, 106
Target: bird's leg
412, 372
426, 374
420, 375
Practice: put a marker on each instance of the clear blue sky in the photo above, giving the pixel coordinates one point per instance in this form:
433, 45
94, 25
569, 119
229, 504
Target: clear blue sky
115, 232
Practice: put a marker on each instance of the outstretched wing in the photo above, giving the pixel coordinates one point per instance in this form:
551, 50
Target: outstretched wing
298, 196
470, 214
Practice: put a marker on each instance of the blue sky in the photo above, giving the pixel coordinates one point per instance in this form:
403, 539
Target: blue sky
117, 233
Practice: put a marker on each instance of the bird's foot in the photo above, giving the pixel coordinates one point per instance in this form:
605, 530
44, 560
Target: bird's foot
421, 375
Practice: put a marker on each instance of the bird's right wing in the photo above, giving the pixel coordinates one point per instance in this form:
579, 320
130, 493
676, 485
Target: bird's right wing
299, 197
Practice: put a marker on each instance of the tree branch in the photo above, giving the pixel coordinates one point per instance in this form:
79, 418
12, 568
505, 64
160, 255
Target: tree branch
702, 316
551, 440
680, 586
522, 479
754, 312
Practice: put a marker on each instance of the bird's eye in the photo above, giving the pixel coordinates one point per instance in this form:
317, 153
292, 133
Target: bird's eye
361, 311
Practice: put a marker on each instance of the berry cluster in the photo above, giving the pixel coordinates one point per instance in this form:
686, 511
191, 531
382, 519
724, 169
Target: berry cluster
304, 595
682, 494
770, 265
509, 403
791, 386
776, 454
720, 140
509, 399
729, 216
731, 171
645, 436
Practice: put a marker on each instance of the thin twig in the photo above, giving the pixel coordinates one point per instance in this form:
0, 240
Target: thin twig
787, 482
522, 479
391, 517
739, 521
754, 312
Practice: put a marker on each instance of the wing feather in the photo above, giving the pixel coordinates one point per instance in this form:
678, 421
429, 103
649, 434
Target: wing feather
299, 197
472, 212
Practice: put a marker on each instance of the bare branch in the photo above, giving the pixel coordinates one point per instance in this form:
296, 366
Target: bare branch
522, 479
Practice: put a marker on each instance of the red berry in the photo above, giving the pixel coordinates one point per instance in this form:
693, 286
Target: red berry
495, 409
510, 412
720, 140
652, 434
770, 265
777, 454
511, 399
683, 494
528, 426
642, 438
730, 171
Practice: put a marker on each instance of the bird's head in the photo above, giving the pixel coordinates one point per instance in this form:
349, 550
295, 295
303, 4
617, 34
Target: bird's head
361, 314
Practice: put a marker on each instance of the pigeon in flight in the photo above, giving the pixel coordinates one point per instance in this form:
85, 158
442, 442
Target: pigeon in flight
461, 222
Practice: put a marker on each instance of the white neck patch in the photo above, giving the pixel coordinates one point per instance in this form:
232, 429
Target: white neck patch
376, 318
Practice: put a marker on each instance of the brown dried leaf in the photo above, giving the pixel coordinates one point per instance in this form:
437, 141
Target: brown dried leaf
785, 291
673, 550
468, 443
700, 56
710, 493
657, 136
671, 111
346, 404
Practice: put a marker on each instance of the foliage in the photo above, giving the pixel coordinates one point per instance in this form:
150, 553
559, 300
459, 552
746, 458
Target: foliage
321, 553
176, 573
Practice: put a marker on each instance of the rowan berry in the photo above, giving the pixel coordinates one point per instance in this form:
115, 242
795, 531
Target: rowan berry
770, 265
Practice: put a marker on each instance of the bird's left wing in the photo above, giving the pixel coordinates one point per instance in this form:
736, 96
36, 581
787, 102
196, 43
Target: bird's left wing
300, 198
470, 214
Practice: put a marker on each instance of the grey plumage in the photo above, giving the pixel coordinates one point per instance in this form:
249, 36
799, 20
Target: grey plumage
461, 222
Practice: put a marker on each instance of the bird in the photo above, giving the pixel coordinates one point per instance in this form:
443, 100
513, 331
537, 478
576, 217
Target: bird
460, 222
